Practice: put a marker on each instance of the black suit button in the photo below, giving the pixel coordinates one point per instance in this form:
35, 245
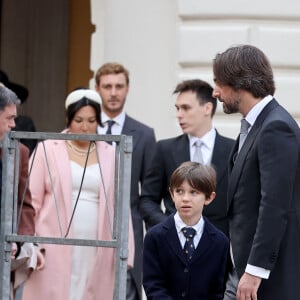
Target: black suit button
273, 257
186, 270
183, 294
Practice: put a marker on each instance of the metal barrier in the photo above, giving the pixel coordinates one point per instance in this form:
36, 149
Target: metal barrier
119, 241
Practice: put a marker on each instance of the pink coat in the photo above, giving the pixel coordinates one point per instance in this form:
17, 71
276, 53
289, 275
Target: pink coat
54, 280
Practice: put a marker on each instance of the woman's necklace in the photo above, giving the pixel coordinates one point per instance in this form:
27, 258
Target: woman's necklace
80, 151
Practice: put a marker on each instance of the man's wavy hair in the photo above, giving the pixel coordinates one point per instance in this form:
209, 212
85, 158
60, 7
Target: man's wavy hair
245, 67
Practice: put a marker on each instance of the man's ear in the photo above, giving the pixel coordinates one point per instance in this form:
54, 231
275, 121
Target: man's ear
210, 198
208, 108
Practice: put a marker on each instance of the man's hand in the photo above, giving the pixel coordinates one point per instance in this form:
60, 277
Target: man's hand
40, 259
14, 250
247, 287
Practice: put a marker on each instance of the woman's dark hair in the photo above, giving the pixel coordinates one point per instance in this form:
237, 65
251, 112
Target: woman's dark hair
76, 106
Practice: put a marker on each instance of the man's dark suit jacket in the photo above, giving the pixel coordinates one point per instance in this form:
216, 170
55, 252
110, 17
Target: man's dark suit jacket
26, 225
143, 148
167, 273
264, 203
169, 154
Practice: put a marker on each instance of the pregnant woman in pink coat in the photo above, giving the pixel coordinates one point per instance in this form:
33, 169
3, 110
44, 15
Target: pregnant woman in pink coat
75, 272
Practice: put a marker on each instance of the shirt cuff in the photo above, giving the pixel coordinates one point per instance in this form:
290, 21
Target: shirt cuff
257, 271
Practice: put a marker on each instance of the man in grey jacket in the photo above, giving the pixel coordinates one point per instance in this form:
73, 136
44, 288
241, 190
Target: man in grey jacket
112, 84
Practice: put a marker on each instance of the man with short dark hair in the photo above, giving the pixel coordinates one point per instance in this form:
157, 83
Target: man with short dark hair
195, 107
264, 181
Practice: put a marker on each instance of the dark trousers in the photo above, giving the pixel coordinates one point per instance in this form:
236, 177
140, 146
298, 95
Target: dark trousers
231, 286
131, 291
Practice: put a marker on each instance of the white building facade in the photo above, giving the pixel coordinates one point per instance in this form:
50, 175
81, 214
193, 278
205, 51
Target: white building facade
162, 42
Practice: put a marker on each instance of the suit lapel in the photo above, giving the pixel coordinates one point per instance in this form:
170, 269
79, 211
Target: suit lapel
129, 129
217, 159
181, 150
233, 155
205, 241
173, 240
174, 243
237, 167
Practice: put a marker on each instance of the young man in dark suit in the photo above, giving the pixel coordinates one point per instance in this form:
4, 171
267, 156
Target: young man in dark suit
264, 181
112, 84
185, 255
195, 109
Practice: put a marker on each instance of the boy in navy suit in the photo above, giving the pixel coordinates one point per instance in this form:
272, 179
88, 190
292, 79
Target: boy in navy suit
185, 255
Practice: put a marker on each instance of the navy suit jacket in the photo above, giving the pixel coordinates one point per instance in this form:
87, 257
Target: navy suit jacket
264, 202
169, 154
168, 275
143, 139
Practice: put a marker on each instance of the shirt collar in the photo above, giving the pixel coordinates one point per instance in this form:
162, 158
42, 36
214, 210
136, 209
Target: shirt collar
208, 139
257, 109
119, 119
179, 224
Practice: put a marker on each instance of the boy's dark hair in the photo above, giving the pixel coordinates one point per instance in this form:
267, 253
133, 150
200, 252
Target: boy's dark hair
202, 89
200, 177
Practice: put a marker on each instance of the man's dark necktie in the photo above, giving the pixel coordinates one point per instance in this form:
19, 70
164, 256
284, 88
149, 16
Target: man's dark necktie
110, 123
189, 248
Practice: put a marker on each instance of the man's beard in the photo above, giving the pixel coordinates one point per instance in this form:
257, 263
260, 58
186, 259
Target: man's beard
233, 107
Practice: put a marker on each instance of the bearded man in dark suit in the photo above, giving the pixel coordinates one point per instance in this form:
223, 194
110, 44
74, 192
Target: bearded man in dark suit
264, 182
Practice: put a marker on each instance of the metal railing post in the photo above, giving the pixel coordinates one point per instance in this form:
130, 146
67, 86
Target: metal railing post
122, 221
7, 197
8, 234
